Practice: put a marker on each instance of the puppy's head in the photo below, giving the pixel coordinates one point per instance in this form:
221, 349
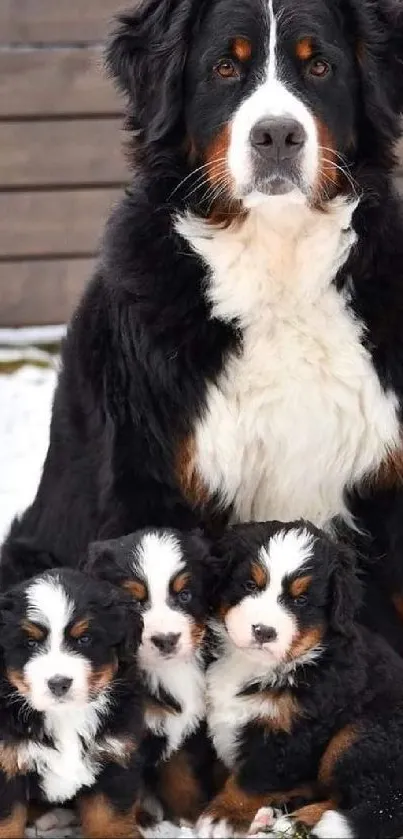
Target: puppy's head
281, 590
63, 638
266, 97
164, 572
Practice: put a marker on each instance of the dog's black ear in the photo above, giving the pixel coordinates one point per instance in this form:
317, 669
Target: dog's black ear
379, 48
146, 55
345, 589
132, 628
101, 562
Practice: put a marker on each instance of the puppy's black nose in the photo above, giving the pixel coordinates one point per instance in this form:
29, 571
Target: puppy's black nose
263, 634
166, 643
278, 139
59, 685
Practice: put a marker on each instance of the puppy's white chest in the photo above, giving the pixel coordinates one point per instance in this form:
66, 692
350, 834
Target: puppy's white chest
71, 763
299, 414
227, 711
184, 681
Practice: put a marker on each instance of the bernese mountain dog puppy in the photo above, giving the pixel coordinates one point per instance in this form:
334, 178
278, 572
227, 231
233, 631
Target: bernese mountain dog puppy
305, 707
71, 712
239, 352
164, 571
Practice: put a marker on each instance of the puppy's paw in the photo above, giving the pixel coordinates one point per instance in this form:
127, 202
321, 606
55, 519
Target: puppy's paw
209, 827
263, 821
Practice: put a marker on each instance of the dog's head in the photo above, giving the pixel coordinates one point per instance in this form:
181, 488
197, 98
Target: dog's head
264, 97
164, 571
63, 638
282, 590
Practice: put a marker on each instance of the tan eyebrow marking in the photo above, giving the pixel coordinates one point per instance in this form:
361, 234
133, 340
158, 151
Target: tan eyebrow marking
304, 49
79, 628
300, 585
136, 588
259, 575
180, 582
37, 633
242, 49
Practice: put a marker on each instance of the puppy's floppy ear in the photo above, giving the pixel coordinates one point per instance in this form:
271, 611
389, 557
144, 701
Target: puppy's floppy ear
345, 588
146, 55
132, 628
101, 562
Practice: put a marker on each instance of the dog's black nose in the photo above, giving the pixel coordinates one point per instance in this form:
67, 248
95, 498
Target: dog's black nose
278, 139
263, 634
59, 685
166, 643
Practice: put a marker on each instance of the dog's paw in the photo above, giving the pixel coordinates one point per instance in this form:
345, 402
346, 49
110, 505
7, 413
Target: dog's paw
263, 821
210, 828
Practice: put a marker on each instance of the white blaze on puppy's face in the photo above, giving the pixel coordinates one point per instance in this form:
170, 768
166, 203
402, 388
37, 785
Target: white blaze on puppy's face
160, 558
49, 607
283, 556
272, 99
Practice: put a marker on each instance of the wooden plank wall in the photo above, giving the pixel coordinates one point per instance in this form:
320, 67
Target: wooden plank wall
61, 160
61, 164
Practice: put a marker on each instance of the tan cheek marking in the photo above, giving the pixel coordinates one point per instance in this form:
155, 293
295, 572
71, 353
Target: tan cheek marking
9, 763
188, 475
102, 676
329, 174
17, 679
242, 49
79, 628
14, 825
100, 820
33, 630
305, 641
217, 159
304, 49
300, 585
259, 575
197, 632
136, 588
340, 743
181, 582
286, 711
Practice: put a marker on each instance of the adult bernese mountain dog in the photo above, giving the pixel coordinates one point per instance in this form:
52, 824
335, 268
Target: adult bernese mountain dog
238, 354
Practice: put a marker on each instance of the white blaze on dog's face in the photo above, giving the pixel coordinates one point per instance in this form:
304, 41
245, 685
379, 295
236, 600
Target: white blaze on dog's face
263, 619
53, 673
273, 138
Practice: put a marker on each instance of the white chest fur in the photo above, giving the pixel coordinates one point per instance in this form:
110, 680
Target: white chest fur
185, 682
227, 712
72, 762
300, 414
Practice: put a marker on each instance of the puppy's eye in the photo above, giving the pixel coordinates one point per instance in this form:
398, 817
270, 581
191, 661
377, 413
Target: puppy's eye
33, 644
83, 640
319, 68
251, 587
226, 69
300, 600
184, 596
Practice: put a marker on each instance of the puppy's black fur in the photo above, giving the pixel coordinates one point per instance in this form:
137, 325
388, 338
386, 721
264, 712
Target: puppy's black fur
332, 728
143, 347
62, 738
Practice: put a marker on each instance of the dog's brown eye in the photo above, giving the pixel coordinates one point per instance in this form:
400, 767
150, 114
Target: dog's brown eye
33, 644
300, 600
184, 596
319, 68
251, 587
226, 69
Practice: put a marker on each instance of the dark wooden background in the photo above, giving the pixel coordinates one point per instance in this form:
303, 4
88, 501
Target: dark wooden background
61, 161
